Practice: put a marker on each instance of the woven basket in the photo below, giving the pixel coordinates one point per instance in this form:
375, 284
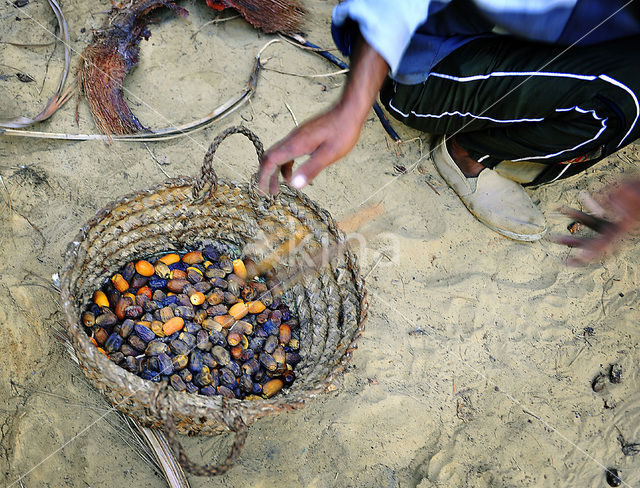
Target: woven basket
181, 214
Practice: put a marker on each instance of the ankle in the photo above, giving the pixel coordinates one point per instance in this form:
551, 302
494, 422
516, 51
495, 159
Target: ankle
469, 166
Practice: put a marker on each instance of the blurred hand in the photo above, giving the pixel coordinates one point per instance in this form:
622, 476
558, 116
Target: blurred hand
618, 216
325, 139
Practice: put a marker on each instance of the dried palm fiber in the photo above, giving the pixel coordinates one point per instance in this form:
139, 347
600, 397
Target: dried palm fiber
284, 16
330, 300
114, 50
112, 53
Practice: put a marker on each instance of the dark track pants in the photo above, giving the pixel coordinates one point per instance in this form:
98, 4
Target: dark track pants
508, 99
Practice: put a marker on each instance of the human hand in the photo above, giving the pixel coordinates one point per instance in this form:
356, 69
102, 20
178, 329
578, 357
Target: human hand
330, 136
325, 138
622, 203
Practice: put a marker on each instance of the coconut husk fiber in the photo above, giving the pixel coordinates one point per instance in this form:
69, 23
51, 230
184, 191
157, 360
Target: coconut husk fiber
270, 16
114, 50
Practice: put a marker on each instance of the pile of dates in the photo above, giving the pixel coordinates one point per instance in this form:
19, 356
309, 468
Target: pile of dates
203, 322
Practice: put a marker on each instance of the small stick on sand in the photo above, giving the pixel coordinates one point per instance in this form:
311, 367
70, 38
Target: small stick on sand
432, 187
153, 156
303, 75
214, 21
532, 414
293, 116
375, 265
300, 44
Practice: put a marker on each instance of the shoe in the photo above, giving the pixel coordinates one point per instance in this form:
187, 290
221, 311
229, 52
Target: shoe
499, 203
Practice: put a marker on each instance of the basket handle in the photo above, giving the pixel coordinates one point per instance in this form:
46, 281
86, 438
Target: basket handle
237, 426
207, 173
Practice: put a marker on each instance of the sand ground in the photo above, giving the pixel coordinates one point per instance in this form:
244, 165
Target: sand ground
474, 369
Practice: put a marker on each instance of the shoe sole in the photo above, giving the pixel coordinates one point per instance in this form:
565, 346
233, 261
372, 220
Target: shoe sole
506, 233
512, 235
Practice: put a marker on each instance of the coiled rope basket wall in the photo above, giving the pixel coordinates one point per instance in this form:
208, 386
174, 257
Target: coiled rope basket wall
180, 214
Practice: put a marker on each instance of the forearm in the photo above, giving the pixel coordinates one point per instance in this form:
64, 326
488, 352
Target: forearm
368, 71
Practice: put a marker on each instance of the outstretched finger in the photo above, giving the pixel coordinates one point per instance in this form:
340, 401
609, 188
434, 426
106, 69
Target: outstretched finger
578, 261
596, 223
569, 241
296, 144
274, 184
320, 159
591, 204
591, 253
590, 248
267, 168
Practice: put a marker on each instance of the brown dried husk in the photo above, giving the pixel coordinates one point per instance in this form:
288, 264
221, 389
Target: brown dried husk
271, 16
331, 300
112, 53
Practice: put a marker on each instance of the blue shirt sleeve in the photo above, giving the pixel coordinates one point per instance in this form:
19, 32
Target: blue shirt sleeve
414, 35
387, 26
